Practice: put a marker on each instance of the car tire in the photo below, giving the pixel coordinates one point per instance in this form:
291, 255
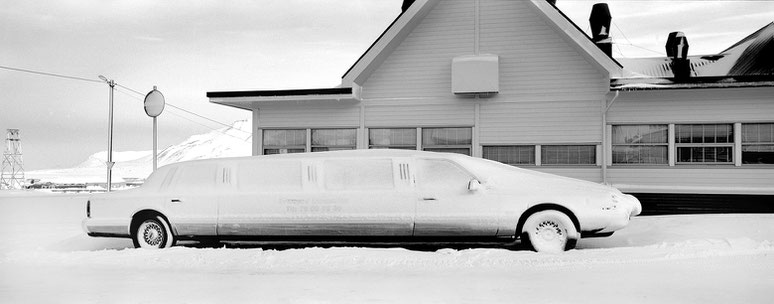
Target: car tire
154, 233
549, 231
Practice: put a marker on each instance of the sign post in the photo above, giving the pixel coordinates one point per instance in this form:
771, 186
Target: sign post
154, 105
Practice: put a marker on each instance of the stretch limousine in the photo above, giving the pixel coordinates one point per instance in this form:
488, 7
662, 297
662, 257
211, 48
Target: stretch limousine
364, 195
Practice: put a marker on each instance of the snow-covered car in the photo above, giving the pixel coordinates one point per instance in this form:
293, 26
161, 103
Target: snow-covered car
361, 195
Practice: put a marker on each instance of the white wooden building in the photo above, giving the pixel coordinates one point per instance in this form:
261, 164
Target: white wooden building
518, 82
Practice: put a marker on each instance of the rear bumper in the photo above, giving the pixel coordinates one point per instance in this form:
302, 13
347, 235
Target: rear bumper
105, 228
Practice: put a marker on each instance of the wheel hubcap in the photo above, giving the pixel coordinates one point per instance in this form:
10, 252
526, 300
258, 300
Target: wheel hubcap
152, 234
548, 231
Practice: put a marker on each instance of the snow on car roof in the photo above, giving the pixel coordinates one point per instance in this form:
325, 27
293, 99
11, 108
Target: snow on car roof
364, 153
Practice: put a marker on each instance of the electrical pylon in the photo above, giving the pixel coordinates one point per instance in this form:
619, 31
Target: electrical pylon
12, 176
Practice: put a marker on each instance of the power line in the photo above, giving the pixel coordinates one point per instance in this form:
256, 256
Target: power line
179, 108
50, 74
180, 116
122, 86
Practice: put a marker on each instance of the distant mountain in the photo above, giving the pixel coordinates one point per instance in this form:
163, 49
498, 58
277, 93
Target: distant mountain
232, 141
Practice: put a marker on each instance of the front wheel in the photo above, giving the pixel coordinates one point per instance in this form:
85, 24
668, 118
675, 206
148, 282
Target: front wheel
153, 232
549, 231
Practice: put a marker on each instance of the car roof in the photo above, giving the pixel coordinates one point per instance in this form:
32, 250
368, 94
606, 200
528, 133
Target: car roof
360, 153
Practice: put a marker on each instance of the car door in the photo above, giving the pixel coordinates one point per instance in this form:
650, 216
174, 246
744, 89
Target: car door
191, 196
445, 205
265, 199
366, 197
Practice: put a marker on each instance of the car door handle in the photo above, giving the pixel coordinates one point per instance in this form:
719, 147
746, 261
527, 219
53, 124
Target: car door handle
428, 198
174, 200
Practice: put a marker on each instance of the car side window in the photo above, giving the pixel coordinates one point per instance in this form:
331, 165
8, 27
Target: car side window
264, 176
442, 175
195, 177
359, 174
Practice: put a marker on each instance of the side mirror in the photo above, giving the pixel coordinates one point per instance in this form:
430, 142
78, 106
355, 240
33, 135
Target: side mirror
474, 185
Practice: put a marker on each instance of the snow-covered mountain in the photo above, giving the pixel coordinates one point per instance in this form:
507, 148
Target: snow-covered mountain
232, 141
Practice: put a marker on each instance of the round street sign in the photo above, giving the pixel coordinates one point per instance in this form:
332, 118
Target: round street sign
154, 103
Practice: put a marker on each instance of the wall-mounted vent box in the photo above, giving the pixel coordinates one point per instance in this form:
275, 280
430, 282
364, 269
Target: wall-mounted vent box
476, 74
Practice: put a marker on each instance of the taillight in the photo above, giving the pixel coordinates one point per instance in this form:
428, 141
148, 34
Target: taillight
88, 209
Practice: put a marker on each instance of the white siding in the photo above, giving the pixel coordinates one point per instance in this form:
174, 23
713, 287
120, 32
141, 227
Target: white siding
420, 115
683, 106
541, 122
535, 61
421, 65
309, 116
534, 58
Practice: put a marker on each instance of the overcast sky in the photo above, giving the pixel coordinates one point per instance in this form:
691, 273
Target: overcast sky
188, 48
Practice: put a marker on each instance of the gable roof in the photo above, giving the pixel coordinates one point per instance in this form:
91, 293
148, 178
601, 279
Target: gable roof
746, 63
391, 38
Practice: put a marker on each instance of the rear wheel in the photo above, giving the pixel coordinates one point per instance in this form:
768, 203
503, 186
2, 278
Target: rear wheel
549, 231
153, 232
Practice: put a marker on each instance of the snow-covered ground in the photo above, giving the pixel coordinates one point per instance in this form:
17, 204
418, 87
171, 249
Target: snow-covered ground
46, 258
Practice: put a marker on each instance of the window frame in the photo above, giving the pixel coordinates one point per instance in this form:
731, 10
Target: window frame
595, 157
265, 147
425, 147
533, 159
312, 146
394, 146
613, 145
743, 143
730, 144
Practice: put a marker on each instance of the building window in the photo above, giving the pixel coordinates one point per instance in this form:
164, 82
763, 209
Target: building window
705, 144
641, 144
333, 139
511, 155
568, 155
452, 140
284, 141
758, 143
392, 139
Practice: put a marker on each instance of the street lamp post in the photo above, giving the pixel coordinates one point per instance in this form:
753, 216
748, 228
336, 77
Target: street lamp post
109, 162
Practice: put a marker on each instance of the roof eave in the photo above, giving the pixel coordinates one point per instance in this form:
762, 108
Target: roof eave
249, 100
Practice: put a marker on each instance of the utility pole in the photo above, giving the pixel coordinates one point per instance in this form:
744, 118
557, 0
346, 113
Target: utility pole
110, 162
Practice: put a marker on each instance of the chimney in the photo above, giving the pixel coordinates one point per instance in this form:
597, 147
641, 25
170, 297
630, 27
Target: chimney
677, 51
600, 27
406, 5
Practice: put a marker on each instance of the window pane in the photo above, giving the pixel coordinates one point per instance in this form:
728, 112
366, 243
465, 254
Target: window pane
446, 136
704, 134
269, 176
358, 174
640, 134
284, 138
324, 149
282, 151
464, 151
705, 154
392, 138
334, 137
569, 155
442, 176
200, 177
640, 154
511, 155
758, 133
758, 154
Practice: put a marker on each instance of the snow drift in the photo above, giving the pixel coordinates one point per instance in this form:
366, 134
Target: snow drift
46, 257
